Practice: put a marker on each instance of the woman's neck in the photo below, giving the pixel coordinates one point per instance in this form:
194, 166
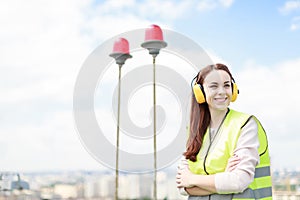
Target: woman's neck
217, 117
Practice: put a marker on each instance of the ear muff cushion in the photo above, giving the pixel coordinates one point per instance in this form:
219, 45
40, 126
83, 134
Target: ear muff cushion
200, 98
235, 92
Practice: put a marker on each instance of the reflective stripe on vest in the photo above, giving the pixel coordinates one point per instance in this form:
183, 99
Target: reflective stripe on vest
262, 171
264, 192
260, 193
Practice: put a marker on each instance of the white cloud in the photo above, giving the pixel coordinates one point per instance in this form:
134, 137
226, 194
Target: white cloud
149, 9
168, 10
269, 92
294, 27
207, 5
48, 143
226, 3
217, 59
117, 5
165, 9
290, 6
295, 24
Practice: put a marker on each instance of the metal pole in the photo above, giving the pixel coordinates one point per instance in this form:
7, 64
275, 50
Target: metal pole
118, 135
154, 131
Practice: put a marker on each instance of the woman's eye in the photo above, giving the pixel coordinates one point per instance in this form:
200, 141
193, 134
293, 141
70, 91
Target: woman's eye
227, 85
213, 86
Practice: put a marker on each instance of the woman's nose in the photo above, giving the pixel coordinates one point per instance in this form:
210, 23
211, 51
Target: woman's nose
221, 90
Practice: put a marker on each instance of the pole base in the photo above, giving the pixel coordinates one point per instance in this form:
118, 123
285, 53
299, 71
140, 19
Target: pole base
120, 57
154, 46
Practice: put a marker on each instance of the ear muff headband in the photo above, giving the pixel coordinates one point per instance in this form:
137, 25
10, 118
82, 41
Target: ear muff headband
200, 95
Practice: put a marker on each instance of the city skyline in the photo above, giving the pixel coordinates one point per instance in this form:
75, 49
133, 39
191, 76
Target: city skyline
97, 185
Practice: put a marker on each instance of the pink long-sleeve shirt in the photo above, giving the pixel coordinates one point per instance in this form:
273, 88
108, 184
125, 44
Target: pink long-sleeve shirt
247, 149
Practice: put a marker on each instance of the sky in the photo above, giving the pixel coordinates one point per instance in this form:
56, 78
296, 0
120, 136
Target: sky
43, 45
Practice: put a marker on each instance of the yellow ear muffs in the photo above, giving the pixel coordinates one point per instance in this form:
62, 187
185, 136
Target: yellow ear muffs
235, 92
199, 94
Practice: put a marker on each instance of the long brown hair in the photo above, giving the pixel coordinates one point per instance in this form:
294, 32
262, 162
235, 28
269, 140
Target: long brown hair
200, 115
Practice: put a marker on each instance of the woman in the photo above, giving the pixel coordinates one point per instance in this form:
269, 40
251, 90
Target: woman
227, 151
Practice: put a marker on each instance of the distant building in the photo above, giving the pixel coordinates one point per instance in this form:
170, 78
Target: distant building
285, 195
146, 185
129, 187
66, 191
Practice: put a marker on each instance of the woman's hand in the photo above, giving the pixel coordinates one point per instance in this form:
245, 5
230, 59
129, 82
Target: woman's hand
197, 191
183, 178
232, 163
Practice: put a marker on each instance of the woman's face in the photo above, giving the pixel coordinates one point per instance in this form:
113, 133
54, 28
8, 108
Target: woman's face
217, 88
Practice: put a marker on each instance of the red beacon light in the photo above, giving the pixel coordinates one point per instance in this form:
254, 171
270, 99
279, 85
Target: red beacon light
121, 45
120, 51
154, 40
153, 32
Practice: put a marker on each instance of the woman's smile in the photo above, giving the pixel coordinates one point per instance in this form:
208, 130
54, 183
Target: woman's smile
221, 99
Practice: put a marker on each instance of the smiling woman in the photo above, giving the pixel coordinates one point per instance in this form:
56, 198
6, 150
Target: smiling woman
227, 151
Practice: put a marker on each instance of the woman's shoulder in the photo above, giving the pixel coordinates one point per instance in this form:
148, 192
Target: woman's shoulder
239, 113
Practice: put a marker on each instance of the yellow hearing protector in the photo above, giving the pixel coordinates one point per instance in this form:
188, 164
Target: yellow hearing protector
200, 95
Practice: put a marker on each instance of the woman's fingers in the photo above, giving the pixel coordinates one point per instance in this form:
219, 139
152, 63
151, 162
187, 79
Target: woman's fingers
232, 163
178, 177
178, 181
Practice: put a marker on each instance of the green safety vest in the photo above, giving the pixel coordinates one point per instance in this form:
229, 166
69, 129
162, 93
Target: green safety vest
214, 160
